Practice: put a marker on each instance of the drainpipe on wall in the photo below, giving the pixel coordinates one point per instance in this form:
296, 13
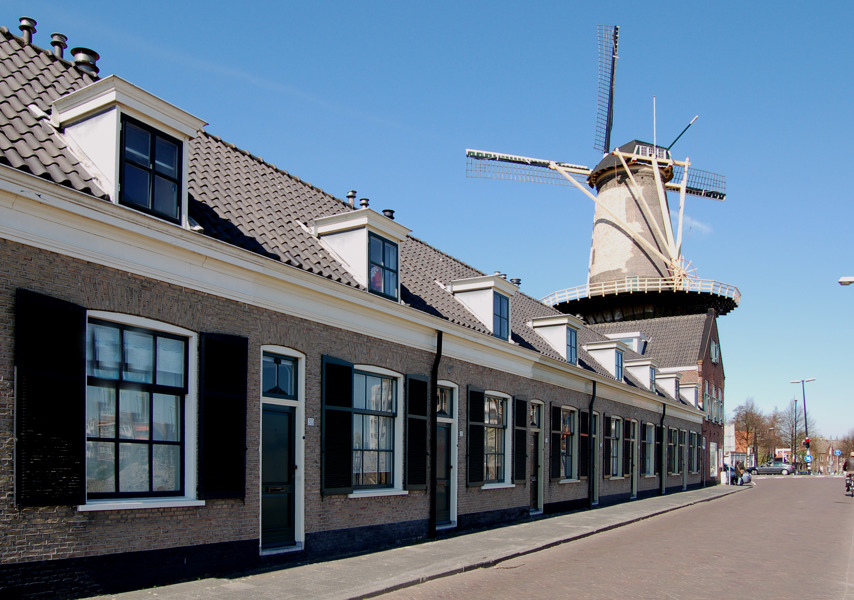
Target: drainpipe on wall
591, 454
431, 412
663, 465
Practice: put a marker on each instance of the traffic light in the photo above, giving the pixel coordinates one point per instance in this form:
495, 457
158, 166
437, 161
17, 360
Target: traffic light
807, 443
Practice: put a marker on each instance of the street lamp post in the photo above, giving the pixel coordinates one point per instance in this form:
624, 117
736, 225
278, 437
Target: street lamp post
803, 383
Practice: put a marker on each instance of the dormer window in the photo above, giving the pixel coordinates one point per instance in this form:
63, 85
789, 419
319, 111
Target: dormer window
652, 379
571, 346
150, 175
500, 316
618, 365
382, 256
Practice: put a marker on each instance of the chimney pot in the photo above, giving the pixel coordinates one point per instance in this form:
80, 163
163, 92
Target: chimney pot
363, 202
85, 60
28, 28
58, 41
387, 212
351, 197
516, 281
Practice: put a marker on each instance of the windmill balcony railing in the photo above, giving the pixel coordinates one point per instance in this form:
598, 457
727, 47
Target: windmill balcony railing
643, 285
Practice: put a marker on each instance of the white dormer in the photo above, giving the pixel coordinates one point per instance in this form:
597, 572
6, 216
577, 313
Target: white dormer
133, 143
561, 332
634, 340
487, 298
644, 370
690, 393
609, 354
669, 383
368, 245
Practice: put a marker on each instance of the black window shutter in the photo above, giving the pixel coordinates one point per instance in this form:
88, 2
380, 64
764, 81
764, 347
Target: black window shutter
642, 450
474, 465
606, 447
223, 364
554, 443
336, 450
50, 409
417, 395
584, 440
520, 439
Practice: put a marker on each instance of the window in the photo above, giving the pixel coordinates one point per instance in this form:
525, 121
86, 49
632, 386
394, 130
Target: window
680, 452
652, 379
714, 352
613, 446
676, 389
278, 379
500, 316
648, 449
135, 412
495, 421
672, 447
362, 432
564, 443
151, 163
383, 270
374, 411
445, 402
571, 346
618, 365
630, 435
693, 453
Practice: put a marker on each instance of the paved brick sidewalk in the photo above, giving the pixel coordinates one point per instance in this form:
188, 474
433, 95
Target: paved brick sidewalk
372, 574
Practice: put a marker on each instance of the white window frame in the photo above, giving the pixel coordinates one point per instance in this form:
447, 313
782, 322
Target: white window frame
507, 481
399, 420
573, 476
616, 443
649, 449
191, 407
299, 442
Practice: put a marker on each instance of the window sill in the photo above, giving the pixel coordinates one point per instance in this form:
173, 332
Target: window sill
96, 505
377, 493
562, 481
614, 477
497, 486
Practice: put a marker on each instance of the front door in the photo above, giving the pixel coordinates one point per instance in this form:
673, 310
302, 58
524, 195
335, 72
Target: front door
277, 476
443, 473
536, 480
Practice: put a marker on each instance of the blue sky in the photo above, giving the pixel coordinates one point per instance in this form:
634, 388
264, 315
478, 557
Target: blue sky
384, 98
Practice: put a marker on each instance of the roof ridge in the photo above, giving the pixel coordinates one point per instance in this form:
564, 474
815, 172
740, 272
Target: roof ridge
261, 161
7, 33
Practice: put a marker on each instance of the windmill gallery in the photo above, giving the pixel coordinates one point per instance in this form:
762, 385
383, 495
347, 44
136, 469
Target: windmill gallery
257, 373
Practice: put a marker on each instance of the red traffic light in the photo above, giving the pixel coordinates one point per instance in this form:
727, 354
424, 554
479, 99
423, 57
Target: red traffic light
807, 443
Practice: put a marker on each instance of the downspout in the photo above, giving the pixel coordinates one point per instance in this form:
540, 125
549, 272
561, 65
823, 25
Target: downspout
663, 465
432, 423
591, 455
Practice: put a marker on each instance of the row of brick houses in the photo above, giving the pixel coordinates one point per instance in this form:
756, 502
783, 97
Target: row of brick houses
207, 363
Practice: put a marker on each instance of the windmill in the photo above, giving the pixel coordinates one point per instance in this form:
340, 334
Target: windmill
635, 247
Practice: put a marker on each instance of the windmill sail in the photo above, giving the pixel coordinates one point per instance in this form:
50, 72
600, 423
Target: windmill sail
701, 183
495, 165
608, 39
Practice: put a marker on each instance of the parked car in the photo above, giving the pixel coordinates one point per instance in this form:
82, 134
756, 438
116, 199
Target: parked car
772, 467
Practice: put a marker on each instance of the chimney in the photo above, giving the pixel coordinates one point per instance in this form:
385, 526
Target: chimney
363, 202
28, 28
516, 281
388, 213
85, 59
58, 41
351, 197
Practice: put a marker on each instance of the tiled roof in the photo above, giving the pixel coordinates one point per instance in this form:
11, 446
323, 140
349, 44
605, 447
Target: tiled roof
673, 341
239, 199
30, 80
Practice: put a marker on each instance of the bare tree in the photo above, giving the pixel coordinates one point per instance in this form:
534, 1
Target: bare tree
749, 421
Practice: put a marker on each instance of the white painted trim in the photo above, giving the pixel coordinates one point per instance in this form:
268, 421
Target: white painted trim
377, 493
191, 399
362, 218
299, 442
399, 428
455, 442
179, 502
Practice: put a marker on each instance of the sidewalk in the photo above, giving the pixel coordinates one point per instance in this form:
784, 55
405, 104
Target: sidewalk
372, 574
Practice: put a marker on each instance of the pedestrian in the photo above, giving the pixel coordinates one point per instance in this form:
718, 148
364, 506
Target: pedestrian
739, 473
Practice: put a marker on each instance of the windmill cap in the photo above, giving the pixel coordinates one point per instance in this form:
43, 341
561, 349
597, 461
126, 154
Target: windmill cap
611, 163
